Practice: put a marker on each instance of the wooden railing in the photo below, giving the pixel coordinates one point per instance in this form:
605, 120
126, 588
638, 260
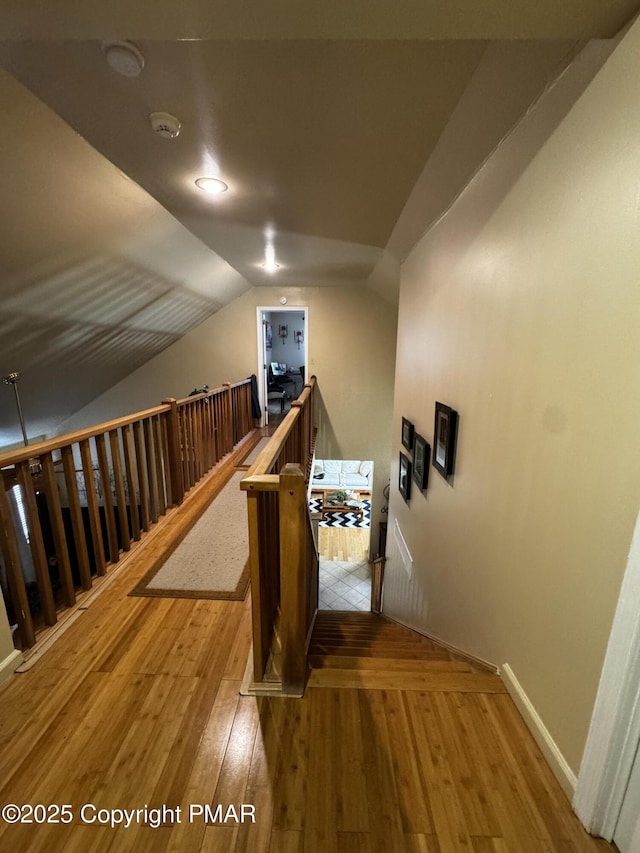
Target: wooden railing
70, 506
283, 554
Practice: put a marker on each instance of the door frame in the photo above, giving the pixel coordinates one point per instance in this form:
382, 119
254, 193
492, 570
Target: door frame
614, 733
262, 351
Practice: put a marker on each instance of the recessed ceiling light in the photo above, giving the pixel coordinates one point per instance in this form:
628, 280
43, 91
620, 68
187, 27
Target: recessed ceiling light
214, 186
270, 266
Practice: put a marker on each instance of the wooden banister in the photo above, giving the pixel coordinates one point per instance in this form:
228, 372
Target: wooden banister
87, 495
283, 554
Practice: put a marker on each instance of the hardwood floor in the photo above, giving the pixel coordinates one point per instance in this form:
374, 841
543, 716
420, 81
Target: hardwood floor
137, 705
344, 544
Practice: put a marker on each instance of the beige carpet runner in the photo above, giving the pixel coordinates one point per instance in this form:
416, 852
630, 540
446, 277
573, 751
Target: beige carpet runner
253, 455
212, 561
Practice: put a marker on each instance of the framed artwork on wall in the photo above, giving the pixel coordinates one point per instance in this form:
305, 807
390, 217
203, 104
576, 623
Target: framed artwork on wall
421, 453
404, 477
407, 434
445, 430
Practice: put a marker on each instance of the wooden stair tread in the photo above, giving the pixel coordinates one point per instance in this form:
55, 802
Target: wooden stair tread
369, 631
383, 651
374, 646
371, 641
378, 679
399, 664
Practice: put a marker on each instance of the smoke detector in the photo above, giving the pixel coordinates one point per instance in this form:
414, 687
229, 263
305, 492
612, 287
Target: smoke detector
165, 125
123, 57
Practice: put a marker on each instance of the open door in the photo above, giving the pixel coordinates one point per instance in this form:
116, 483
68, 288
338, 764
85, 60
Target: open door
282, 358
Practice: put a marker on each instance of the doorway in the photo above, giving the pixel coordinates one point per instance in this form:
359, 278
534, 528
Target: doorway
340, 498
607, 796
282, 359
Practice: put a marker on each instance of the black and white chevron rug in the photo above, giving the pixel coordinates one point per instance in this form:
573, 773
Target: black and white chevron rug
343, 519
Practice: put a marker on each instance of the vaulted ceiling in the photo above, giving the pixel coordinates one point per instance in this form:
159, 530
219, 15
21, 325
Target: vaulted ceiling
342, 134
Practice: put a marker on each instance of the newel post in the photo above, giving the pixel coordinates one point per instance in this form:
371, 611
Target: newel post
174, 451
293, 628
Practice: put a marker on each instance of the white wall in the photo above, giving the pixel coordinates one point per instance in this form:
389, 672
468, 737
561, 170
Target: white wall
521, 309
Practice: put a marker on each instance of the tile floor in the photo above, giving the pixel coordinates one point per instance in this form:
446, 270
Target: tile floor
345, 586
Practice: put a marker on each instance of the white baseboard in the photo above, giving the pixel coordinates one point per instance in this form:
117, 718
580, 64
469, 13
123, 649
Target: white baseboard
9, 665
555, 759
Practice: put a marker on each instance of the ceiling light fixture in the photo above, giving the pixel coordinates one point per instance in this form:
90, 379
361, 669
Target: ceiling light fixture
269, 263
123, 57
213, 186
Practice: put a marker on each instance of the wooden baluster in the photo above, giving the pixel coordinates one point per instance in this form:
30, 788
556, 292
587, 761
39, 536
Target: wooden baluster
174, 453
211, 429
197, 433
11, 558
239, 413
130, 469
37, 544
107, 499
188, 436
166, 462
77, 523
234, 415
217, 431
228, 418
151, 470
157, 455
258, 592
195, 414
293, 578
242, 413
143, 475
204, 433
58, 529
116, 462
203, 436
93, 507
184, 447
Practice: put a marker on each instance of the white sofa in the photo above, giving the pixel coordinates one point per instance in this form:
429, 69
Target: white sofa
342, 473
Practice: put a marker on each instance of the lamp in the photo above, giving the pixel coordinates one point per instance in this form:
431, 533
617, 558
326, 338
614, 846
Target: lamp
283, 331
13, 379
35, 466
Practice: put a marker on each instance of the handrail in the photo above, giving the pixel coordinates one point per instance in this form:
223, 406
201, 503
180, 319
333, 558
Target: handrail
21, 454
283, 555
260, 473
108, 485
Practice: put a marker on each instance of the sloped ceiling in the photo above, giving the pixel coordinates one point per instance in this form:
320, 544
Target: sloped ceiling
323, 127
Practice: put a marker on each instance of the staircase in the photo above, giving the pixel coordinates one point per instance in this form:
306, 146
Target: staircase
369, 652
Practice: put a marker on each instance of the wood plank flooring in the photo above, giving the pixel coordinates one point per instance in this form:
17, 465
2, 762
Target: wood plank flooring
344, 544
137, 705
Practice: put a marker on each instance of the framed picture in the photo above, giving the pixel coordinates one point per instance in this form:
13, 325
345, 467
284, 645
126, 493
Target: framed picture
404, 477
407, 434
444, 439
421, 452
